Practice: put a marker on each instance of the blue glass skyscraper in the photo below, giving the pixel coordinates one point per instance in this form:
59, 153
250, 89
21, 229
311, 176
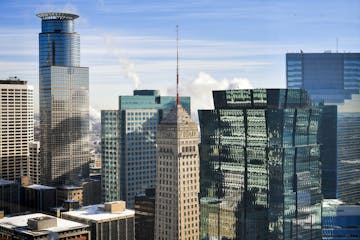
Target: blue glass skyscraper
64, 101
333, 79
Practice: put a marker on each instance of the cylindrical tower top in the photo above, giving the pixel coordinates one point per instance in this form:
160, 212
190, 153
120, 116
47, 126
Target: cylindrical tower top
54, 22
59, 45
57, 16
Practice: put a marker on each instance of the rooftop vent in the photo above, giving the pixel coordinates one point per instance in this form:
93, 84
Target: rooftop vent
40, 223
114, 207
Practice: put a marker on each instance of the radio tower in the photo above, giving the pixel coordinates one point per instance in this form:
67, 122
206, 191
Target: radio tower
177, 65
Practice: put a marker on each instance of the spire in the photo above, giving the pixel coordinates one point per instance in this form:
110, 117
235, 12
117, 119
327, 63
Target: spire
177, 65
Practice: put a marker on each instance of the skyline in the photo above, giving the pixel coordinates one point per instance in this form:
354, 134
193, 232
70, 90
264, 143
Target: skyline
125, 43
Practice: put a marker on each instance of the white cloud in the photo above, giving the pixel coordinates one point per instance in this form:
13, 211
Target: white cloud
200, 89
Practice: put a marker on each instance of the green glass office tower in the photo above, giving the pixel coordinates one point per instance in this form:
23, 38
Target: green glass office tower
260, 166
128, 138
64, 102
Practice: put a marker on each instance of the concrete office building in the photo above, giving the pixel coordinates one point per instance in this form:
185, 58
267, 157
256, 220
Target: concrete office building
16, 127
260, 166
177, 181
128, 138
64, 102
111, 221
333, 79
41, 226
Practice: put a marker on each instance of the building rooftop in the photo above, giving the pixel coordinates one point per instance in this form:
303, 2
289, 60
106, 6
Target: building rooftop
20, 224
57, 16
146, 92
70, 187
6, 182
13, 80
97, 213
341, 208
39, 187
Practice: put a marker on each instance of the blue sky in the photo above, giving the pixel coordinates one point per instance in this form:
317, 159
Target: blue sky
224, 44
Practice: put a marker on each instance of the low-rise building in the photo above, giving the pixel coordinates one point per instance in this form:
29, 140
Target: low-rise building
73, 193
107, 221
38, 198
41, 226
91, 190
9, 196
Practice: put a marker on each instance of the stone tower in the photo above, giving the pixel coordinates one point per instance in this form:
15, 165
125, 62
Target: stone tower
177, 183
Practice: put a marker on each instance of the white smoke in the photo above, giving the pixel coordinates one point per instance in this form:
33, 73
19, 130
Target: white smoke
200, 90
94, 113
128, 66
130, 72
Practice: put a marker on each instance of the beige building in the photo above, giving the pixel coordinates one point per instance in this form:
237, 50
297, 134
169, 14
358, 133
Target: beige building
177, 184
16, 127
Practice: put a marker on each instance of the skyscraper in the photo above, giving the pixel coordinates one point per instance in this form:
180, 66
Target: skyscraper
128, 138
177, 181
64, 101
333, 79
260, 166
16, 127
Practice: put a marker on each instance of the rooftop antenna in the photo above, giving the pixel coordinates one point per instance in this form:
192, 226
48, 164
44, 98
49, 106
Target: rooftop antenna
177, 65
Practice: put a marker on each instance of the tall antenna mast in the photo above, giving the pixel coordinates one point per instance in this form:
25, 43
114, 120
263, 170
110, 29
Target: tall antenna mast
177, 65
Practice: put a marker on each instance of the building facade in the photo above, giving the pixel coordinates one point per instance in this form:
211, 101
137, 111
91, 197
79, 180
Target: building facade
128, 138
69, 193
9, 196
260, 166
64, 102
177, 181
34, 162
107, 221
340, 221
145, 215
38, 198
333, 79
16, 127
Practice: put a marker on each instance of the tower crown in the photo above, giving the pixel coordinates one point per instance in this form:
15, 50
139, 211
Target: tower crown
57, 16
